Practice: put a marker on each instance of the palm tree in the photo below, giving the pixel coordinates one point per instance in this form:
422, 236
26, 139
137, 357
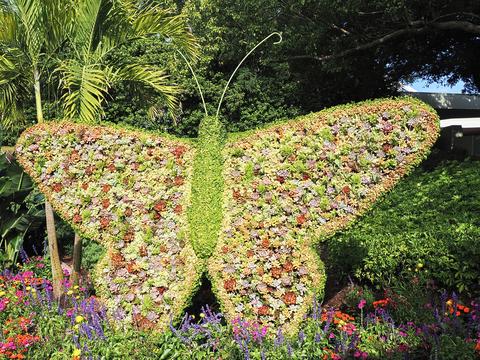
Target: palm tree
101, 26
75, 37
27, 40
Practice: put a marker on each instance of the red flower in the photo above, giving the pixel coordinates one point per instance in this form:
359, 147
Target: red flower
74, 157
160, 206
290, 298
106, 188
57, 187
178, 209
263, 310
85, 186
178, 180
301, 219
346, 190
117, 259
161, 289
89, 170
128, 212
132, 267
387, 147
77, 219
143, 250
230, 284
225, 249
178, 151
104, 222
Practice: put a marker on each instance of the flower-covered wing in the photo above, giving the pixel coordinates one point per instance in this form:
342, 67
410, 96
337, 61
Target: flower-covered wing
129, 191
291, 184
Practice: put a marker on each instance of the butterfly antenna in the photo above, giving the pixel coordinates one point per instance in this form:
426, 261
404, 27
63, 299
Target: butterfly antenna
240, 64
196, 80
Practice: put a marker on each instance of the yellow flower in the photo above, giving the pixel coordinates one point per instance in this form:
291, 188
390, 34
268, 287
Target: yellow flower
76, 287
202, 315
77, 352
75, 327
2, 293
69, 292
79, 319
28, 288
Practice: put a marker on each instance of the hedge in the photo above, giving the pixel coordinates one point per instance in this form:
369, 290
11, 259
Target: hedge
259, 200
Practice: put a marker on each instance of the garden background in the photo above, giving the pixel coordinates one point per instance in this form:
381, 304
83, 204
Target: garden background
399, 279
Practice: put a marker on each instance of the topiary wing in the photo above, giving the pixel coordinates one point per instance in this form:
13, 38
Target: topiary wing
129, 191
291, 184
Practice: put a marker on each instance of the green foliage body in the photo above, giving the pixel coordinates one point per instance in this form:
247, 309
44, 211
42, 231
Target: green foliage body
205, 213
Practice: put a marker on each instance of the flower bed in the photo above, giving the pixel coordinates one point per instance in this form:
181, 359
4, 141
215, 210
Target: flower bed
34, 326
291, 184
129, 191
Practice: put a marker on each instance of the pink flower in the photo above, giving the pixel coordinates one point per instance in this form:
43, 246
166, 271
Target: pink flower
361, 304
360, 354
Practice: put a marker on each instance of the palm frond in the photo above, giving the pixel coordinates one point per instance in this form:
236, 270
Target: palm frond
87, 28
13, 88
86, 87
155, 20
8, 27
30, 17
152, 77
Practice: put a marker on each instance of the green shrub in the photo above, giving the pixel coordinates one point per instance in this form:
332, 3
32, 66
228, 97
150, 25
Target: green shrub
430, 223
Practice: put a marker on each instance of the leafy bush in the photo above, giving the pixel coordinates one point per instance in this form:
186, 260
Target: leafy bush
21, 210
291, 184
97, 180
429, 224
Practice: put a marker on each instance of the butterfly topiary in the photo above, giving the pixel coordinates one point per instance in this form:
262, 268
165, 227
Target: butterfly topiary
247, 209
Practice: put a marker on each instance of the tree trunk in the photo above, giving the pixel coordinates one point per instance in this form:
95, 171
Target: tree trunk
77, 259
57, 273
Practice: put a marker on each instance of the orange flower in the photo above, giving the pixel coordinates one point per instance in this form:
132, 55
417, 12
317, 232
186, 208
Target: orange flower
288, 266
265, 242
276, 272
290, 298
105, 203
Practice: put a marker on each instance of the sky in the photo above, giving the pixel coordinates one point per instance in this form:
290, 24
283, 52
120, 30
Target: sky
421, 86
